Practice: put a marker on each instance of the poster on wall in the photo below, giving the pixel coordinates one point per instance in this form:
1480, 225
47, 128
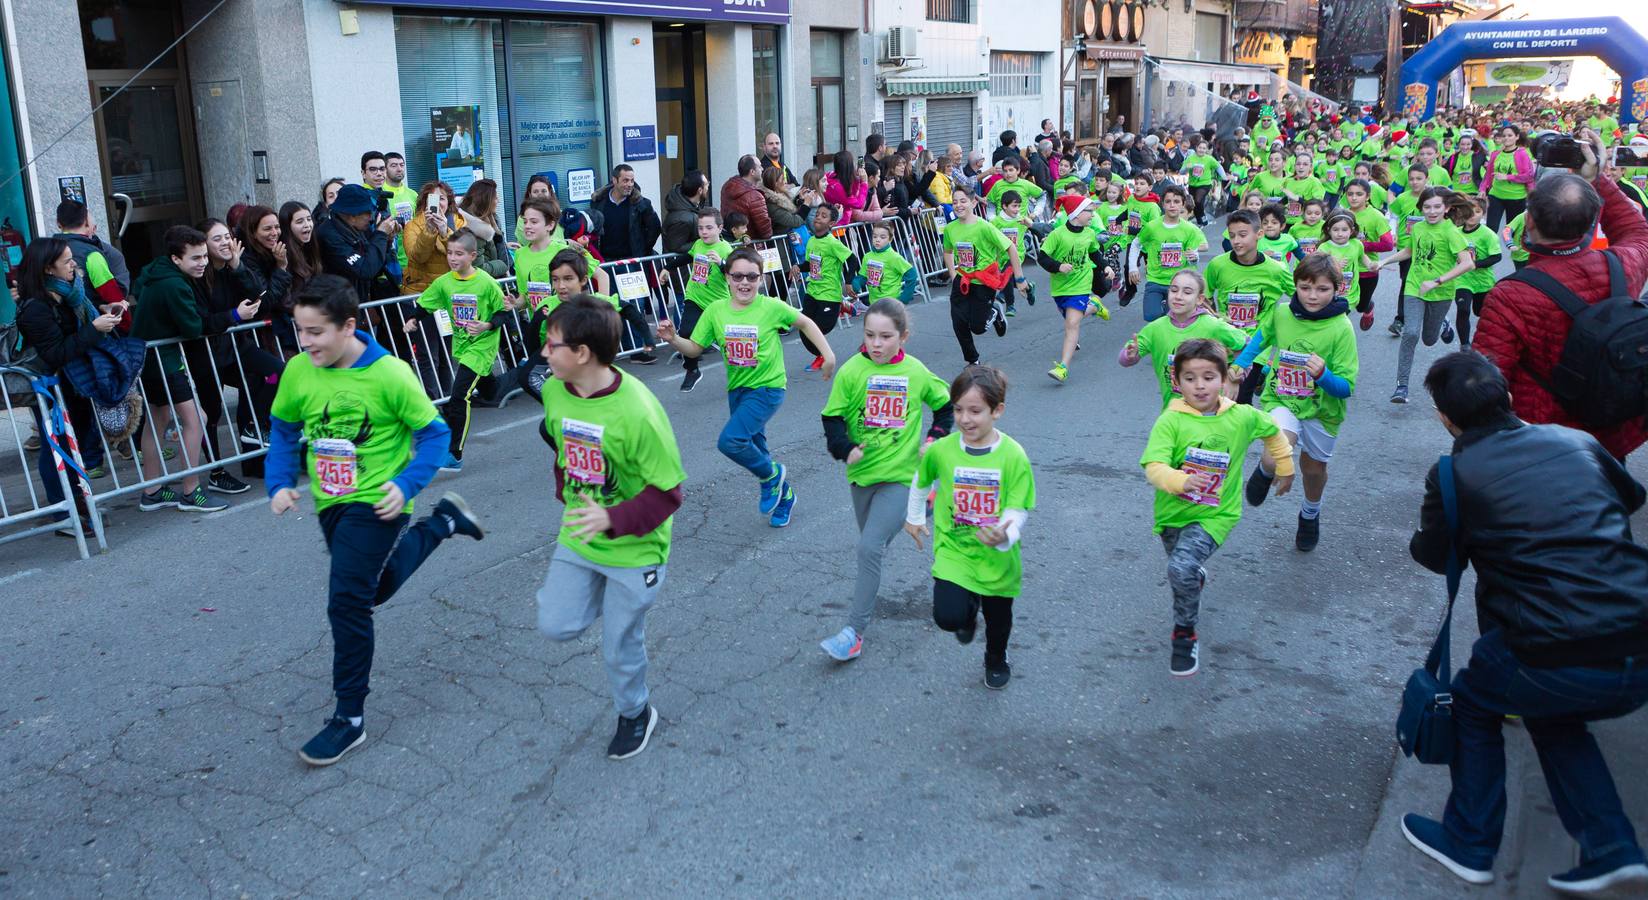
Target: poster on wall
1553, 72
459, 157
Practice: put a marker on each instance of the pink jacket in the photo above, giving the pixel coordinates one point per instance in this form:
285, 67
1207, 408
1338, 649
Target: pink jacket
1524, 169
859, 206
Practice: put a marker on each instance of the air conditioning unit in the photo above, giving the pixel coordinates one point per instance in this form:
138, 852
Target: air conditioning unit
899, 44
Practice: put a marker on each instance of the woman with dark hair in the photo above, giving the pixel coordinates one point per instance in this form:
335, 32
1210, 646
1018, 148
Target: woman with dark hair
328, 194
61, 324
265, 255
780, 207
297, 232
1467, 164
538, 187
480, 209
234, 295
900, 189
848, 188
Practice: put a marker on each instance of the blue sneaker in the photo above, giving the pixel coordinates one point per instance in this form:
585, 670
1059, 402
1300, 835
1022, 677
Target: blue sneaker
1619, 874
781, 512
772, 489
336, 739
458, 517
451, 463
1429, 837
844, 645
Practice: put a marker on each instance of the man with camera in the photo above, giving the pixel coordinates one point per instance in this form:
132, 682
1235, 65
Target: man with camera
1562, 602
1522, 329
357, 242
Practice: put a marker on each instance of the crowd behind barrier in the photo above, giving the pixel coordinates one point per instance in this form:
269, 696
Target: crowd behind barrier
655, 283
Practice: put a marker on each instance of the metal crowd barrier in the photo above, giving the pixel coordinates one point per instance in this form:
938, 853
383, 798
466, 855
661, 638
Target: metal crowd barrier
27, 504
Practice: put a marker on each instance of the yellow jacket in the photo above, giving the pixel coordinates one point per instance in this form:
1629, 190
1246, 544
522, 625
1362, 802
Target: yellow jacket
425, 253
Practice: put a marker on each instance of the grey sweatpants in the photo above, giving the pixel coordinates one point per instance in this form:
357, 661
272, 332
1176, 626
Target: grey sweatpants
1187, 548
880, 509
1413, 321
576, 592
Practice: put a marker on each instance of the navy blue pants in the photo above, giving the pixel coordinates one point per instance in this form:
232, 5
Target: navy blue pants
1555, 705
371, 558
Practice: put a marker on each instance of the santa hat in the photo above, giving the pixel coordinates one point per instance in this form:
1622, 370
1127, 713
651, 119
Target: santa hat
1399, 137
1639, 140
1374, 130
1073, 204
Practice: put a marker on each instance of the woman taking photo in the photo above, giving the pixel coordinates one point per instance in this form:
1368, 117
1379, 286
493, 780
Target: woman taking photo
480, 210
425, 236
848, 187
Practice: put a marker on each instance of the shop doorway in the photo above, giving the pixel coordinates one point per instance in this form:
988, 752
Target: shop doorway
683, 120
1118, 95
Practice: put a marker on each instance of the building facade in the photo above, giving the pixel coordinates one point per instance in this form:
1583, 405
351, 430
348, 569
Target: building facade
1279, 35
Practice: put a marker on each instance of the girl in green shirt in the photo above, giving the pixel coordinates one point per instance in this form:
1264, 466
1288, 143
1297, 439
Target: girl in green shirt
1189, 315
1439, 254
1474, 285
1203, 170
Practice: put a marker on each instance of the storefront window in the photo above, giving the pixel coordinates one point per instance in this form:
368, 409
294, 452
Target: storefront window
767, 114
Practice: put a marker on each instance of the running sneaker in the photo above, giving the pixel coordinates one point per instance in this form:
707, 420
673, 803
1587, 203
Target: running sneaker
844, 645
458, 517
817, 364
998, 320
198, 500
691, 380
1432, 840
162, 497
1012, 312
1609, 876
633, 734
1395, 328
1367, 320
1309, 533
1059, 372
1030, 293
249, 437
222, 482
1258, 486
451, 463
643, 358
781, 512
996, 677
1447, 332
98, 471
1400, 395
1186, 655
1099, 309
335, 739
772, 489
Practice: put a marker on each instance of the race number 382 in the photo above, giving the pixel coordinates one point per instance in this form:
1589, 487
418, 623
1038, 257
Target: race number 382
977, 496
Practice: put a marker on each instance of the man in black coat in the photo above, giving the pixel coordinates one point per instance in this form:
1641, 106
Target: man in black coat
630, 224
1562, 600
351, 248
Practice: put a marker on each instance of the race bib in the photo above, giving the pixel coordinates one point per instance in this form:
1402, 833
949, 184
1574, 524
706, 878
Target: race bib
1171, 256
1413, 220
815, 265
965, 257
1133, 220
1114, 229
770, 261
538, 293
1292, 378
1242, 309
740, 343
1012, 235
1344, 282
335, 466
977, 496
1167, 375
1212, 463
464, 307
1295, 209
872, 273
632, 285
1640, 181
701, 269
1197, 170
886, 397
582, 443
1307, 246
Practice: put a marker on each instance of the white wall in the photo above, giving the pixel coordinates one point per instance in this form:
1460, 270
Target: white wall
947, 49
356, 86
729, 68
1007, 28
630, 64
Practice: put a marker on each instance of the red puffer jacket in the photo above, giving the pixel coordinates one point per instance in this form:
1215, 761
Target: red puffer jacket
738, 194
1522, 330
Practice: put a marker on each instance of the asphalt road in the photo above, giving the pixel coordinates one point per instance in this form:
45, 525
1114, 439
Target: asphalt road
149, 744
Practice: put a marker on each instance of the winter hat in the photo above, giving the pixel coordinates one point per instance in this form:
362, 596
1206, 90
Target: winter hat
353, 199
575, 223
1374, 130
1399, 137
1073, 204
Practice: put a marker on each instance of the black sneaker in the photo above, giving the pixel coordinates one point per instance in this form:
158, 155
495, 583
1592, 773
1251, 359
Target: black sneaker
1400, 395
1395, 328
1447, 332
1186, 657
458, 518
1611, 876
198, 500
163, 497
691, 380
222, 482
996, 677
633, 734
999, 321
1258, 486
964, 634
250, 438
1310, 532
643, 358
336, 739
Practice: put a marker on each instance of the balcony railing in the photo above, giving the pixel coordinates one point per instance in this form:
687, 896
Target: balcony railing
1283, 16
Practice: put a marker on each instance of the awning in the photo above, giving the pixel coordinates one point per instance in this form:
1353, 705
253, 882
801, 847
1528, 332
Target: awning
1217, 73
927, 87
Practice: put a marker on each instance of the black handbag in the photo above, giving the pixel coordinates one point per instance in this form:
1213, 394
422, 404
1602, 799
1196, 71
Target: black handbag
1424, 727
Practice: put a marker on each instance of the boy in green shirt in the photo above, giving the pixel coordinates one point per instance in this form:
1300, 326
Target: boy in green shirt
1169, 245
1474, 285
1188, 316
1301, 187
1272, 181
1435, 173
466, 305
372, 441
706, 283
974, 253
1203, 170
1244, 283
1029, 193
1194, 461
1405, 210
1274, 242
1074, 257
1309, 347
828, 265
618, 472
749, 329
885, 272
1513, 240
1011, 220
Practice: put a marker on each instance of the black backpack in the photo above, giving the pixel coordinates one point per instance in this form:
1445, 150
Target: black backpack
1601, 378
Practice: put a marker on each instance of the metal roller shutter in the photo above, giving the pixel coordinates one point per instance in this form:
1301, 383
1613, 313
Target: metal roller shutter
949, 121
894, 125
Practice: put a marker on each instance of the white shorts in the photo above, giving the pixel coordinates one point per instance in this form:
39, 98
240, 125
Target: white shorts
1313, 438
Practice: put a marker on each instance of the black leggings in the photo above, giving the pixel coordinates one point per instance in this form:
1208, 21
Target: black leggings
955, 607
457, 408
689, 320
1508, 209
1250, 385
1464, 301
257, 394
824, 314
1369, 284
970, 314
1198, 196
1402, 288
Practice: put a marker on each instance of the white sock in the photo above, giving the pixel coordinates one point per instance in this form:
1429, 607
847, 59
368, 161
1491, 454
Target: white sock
1310, 510
355, 721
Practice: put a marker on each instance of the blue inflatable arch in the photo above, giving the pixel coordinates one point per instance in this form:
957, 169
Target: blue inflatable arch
1610, 39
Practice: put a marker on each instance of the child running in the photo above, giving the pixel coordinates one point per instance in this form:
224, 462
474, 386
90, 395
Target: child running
1244, 283
1440, 254
1307, 232
973, 253
1373, 231
1075, 257
372, 441
1349, 254
618, 472
1309, 346
467, 305
1011, 220
829, 266
1168, 244
985, 491
1274, 241
1194, 461
885, 272
1188, 316
706, 284
872, 422
1486, 252
749, 329
1404, 210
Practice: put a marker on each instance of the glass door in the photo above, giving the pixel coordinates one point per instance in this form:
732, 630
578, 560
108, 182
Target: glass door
683, 128
146, 147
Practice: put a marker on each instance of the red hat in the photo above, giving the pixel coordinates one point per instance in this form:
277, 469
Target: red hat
1070, 203
1398, 137
1373, 129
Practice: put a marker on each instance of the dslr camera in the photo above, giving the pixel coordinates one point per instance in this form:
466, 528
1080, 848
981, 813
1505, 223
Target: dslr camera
1554, 150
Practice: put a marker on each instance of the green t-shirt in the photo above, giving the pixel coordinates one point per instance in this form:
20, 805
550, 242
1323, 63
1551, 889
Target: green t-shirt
1605, 126
884, 273
1160, 338
1169, 248
1307, 188
1110, 220
358, 423
1504, 166
1265, 135
749, 338
474, 299
1436, 249
1513, 238
532, 272
1482, 243
973, 491
1200, 167
1380, 197
826, 256
1289, 342
1349, 256
1140, 212
882, 408
1241, 293
1406, 211
1307, 237
1371, 149
1073, 247
706, 282
1270, 185
611, 448
1439, 176
975, 244
1282, 248
1371, 224
1027, 190
1014, 230
1216, 445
